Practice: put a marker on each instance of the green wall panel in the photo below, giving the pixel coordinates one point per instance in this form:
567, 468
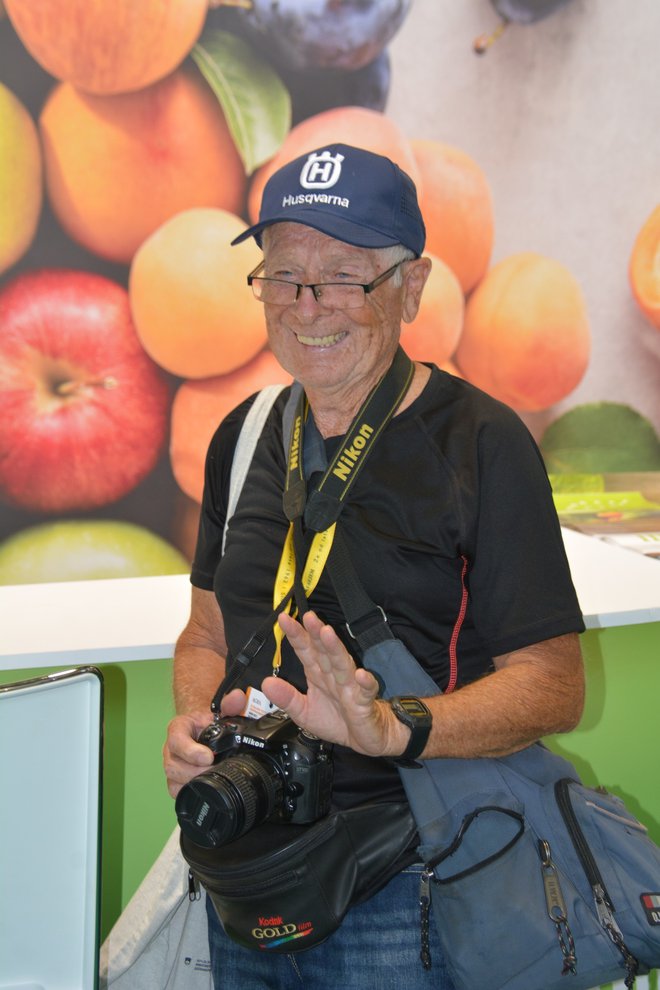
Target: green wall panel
615, 744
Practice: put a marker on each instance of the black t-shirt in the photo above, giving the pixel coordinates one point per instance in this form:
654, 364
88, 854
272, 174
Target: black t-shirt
450, 526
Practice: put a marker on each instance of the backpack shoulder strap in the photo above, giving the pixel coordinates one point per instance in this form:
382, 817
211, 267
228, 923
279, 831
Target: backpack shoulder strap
247, 441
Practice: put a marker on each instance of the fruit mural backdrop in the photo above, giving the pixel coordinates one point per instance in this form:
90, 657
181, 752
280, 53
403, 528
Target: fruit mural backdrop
135, 140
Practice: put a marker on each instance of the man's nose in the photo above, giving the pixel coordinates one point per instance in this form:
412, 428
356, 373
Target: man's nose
307, 301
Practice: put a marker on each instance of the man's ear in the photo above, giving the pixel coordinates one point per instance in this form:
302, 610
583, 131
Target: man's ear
415, 275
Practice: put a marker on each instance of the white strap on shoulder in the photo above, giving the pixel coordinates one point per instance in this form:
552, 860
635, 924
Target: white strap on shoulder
247, 441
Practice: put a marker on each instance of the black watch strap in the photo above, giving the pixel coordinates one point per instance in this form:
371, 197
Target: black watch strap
417, 716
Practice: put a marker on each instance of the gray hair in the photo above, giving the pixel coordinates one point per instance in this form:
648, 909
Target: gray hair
394, 256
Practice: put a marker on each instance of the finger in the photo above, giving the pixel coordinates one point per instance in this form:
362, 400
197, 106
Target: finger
297, 635
305, 641
181, 744
341, 664
234, 703
312, 623
367, 682
179, 774
284, 695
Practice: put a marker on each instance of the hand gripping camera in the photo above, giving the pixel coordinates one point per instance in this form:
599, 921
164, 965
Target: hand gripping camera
265, 769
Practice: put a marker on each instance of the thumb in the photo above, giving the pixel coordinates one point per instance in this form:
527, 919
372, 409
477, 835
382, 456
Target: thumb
284, 695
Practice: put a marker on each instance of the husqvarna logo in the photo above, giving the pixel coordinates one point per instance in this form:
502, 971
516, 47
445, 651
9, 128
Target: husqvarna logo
321, 171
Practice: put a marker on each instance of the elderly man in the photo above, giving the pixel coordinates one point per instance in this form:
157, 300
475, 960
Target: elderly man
450, 527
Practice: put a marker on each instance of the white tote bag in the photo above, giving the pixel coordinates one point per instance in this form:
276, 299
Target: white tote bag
160, 941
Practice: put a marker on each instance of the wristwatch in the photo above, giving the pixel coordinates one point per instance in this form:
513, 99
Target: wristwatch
415, 714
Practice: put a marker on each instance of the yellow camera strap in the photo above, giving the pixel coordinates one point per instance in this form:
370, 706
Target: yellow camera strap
317, 557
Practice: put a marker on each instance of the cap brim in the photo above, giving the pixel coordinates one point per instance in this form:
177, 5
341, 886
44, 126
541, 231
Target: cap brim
338, 227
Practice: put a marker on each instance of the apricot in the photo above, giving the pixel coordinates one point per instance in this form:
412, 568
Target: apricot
526, 335
117, 167
185, 525
451, 369
21, 186
191, 305
357, 126
108, 46
435, 331
200, 406
456, 203
644, 268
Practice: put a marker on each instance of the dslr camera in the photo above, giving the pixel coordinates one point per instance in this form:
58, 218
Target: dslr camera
266, 769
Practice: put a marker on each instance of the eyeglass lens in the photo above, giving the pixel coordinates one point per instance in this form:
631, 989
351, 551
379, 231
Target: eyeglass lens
282, 293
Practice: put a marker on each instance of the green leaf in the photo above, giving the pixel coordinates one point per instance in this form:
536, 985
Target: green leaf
254, 100
600, 437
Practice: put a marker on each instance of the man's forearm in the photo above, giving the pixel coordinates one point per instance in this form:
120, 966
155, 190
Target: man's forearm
199, 655
198, 672
536, 692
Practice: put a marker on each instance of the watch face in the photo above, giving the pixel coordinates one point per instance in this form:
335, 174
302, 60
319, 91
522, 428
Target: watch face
414, 707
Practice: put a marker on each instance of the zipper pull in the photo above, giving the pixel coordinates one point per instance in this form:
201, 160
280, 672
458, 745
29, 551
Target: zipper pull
606, 918
603, 911
554, 897
556, 905
194, 893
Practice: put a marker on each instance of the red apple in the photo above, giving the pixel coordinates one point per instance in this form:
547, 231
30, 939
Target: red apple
83, 408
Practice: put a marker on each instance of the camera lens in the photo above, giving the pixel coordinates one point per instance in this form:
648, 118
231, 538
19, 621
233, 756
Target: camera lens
226, 801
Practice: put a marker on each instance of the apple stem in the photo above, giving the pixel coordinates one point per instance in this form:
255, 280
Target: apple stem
71, 388
484, 41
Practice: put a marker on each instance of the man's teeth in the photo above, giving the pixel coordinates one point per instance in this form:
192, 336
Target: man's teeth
320, 341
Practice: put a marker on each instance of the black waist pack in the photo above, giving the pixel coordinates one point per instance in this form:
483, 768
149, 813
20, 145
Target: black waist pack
285, 888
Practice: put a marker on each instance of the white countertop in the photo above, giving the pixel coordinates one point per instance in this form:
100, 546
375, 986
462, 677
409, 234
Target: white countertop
76, 622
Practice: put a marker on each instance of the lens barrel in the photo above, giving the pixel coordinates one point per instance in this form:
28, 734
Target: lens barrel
227, 800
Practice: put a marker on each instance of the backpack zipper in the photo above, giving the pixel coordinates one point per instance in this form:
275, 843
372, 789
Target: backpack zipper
604, 906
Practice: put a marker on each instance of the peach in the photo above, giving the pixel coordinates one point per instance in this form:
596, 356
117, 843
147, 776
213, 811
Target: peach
21, 186
644, 268
526, 336
200, 406
117, 167
457, 207
451, 369
357, 126
435, 331
108, 47
191, 305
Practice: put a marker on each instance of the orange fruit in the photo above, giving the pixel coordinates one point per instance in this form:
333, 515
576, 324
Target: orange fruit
356, 126
107, 47
200, 406
435, 331
644, 268
457, 207
21, 183
117, 167
192, 308
526, 335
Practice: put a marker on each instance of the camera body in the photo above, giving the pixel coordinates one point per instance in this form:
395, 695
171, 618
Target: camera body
265, 769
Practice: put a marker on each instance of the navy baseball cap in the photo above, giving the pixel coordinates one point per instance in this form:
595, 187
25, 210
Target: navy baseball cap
348, 193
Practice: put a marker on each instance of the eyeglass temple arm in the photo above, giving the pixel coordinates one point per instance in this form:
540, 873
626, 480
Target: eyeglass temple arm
255, 272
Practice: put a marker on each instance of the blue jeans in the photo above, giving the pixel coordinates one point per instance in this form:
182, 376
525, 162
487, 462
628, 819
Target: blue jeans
377, 946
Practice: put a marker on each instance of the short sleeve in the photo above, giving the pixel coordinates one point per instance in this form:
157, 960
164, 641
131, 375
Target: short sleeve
520, 581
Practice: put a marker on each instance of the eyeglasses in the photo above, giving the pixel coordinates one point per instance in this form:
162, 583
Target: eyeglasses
334, 295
